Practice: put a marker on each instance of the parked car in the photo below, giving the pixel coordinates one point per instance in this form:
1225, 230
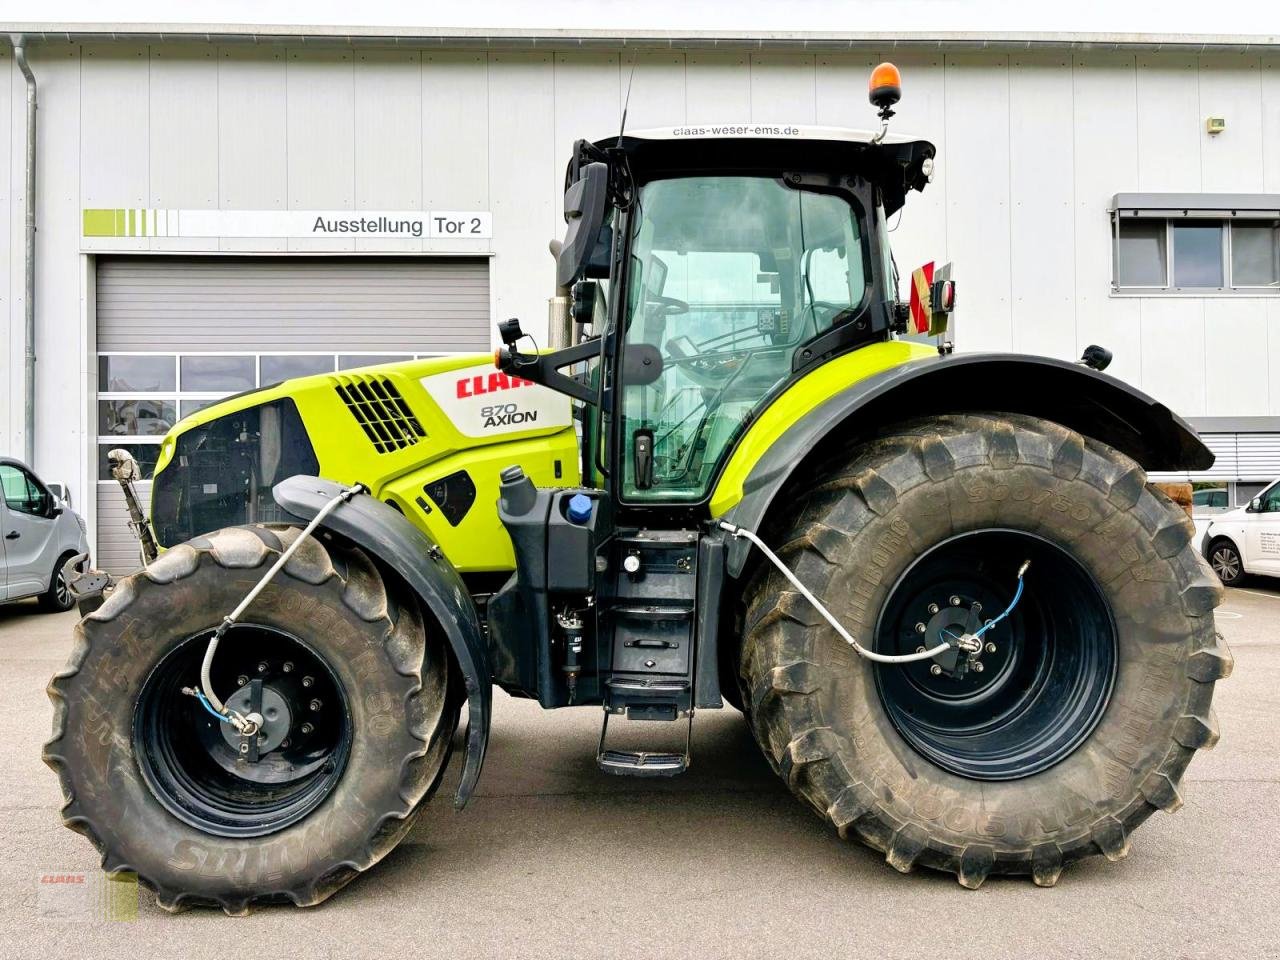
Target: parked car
1206, 505
1245, 540
38, 534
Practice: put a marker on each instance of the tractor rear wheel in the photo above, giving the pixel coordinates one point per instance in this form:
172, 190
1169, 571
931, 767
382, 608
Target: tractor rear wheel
358, 712
1092, 696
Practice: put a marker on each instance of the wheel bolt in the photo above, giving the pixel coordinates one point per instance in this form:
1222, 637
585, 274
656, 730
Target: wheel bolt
936, 670
955, 601
977, 607
315, 704
977, 667
307, 728
241, 680
919, 649
262, 667
933, 608
284, 744
921, 628
308, 681
288, 666
991, 648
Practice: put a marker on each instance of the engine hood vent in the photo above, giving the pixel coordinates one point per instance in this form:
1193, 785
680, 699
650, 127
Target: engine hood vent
381, 412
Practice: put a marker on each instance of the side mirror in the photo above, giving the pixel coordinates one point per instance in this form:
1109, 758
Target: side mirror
585, 203
1255, 505
582, 304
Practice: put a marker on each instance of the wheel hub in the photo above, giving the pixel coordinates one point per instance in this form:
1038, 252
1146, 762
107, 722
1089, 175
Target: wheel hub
205, 772
954, 621
1022, 695
277, 718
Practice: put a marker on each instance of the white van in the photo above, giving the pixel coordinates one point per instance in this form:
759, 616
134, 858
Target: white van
38, 534
1245, 540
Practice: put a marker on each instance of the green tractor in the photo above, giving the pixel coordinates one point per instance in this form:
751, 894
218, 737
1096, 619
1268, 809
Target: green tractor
961, 624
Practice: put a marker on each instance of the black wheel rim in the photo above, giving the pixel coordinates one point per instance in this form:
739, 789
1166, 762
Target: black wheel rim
1041, 690
61, 591
192, 761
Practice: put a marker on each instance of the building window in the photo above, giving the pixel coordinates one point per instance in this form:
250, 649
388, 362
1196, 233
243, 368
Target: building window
141, 396
1196, 244
1192, 256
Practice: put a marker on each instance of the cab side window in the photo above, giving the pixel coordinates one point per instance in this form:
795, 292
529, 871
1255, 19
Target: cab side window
21, 493
1271, 500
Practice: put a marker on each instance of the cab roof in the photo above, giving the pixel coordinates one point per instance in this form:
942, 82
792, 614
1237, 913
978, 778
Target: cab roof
896, 164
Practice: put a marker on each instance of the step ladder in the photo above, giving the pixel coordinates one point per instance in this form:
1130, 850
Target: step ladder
643, 763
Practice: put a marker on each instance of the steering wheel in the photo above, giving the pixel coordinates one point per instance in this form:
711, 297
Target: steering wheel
671, 306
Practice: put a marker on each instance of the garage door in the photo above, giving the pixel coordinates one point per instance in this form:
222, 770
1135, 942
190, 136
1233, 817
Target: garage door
177, 333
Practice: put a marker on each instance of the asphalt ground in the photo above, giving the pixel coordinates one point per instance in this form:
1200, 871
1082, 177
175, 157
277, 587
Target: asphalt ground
555, 859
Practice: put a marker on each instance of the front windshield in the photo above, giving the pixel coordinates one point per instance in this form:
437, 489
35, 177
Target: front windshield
728, 276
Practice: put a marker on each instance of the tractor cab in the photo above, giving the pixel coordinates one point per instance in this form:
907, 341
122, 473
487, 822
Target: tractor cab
708, 269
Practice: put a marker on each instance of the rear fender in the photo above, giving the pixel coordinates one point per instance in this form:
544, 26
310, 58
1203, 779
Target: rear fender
386, 534
1091, 403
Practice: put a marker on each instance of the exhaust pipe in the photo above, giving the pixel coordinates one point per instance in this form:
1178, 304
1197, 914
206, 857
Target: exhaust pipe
559, 329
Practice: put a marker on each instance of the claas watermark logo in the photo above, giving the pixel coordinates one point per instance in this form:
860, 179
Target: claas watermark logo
84, 897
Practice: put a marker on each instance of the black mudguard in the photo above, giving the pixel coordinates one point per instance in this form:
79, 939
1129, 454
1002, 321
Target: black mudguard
1091, 403
385, 533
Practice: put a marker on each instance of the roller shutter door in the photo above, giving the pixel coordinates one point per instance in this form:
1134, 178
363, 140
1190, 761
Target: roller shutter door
273, 305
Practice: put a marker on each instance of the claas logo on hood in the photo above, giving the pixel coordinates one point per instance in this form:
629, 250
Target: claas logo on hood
481, 384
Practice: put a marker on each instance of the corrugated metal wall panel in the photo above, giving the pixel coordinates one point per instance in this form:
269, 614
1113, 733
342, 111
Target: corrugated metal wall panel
253, 303
117, 547
1258, 455
1238, 456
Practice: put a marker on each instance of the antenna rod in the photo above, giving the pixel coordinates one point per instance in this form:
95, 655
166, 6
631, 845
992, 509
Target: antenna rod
626, 103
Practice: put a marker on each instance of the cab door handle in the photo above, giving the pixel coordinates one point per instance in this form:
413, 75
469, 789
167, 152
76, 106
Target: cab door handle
12, 535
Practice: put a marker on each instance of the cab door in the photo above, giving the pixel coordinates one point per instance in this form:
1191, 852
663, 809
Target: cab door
1262, 533
30, 532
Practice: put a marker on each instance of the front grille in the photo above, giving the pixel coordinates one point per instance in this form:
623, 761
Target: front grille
381, 412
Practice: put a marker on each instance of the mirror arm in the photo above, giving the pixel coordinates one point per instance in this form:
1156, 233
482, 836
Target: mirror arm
544, 368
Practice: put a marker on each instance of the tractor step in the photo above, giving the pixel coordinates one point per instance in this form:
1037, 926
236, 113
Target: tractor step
643, 763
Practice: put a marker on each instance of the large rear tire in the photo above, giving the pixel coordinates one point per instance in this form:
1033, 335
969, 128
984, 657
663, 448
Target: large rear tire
357, 688
1112, 652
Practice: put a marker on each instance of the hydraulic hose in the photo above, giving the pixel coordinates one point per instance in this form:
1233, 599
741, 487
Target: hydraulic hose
246, 726
862, 651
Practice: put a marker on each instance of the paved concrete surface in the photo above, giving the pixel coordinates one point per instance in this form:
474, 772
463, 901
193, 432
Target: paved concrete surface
554, 859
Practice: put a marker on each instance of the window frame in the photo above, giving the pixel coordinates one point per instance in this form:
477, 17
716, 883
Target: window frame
46, 502
177, 395
1225, 220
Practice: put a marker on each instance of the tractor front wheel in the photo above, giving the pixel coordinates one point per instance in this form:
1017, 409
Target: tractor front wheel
1077, 718
358, 718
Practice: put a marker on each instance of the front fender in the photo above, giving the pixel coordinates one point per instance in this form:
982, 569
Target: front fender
1091, 403
386, 534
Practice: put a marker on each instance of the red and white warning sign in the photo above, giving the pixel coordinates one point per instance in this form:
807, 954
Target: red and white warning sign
921, 309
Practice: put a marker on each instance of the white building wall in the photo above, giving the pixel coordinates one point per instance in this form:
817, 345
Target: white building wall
1031, 149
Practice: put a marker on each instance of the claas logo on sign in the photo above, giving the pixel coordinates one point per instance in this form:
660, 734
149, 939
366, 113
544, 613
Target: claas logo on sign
482, 384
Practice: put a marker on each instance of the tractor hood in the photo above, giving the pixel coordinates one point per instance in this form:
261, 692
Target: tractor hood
429, 437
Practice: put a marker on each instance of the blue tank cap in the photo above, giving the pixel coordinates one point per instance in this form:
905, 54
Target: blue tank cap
579, 508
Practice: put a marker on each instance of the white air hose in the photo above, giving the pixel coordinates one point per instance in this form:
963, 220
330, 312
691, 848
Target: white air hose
862, 651
247, 725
